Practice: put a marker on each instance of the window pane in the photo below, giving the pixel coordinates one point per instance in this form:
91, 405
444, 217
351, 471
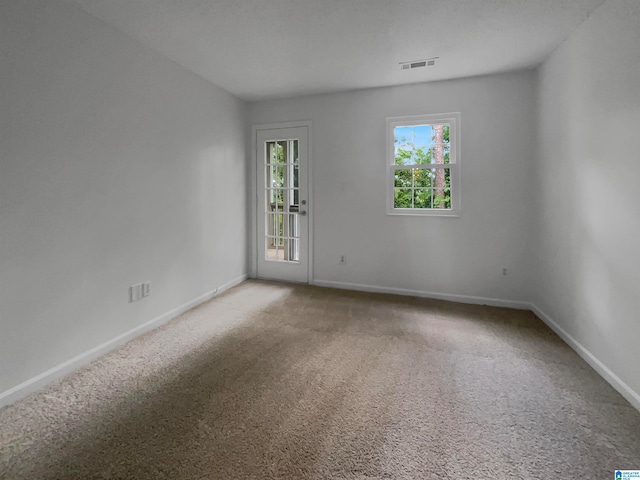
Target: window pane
412, 144
422, 177
271, 153
422, 144
293, 250
280, 176
402, 198
402, 178
403, 156
439, 177
282, 151
275, 176
273, 251
439, 149
423, 188
422, 198
275, 198
438, 155
447, 154
271, 225
293, 225
282, 237
442, 198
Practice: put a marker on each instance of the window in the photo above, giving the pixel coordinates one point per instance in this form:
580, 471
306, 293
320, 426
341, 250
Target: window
423, 165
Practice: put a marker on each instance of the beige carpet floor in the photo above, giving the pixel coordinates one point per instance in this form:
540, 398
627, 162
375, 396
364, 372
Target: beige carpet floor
280, 381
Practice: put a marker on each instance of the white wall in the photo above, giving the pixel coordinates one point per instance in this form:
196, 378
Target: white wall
117, 167
450, 256
587, 230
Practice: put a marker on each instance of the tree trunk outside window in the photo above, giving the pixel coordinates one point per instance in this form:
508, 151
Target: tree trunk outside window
438, 155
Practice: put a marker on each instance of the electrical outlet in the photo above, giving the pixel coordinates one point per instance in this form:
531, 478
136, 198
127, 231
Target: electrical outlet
504, 272
146, 289
135, 292
343, 259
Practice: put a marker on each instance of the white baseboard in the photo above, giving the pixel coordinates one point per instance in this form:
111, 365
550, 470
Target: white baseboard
616, 382
236, 281
25, 388
625, 390
494, 302
19, 391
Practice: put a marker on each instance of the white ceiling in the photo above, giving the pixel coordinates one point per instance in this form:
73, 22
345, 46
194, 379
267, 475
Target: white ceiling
258, 49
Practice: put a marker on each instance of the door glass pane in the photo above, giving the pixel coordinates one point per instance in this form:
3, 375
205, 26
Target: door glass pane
282, 223
275, 199
275, 177
282, 151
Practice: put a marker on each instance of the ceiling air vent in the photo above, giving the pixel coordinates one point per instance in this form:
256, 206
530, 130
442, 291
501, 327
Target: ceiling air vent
428, 62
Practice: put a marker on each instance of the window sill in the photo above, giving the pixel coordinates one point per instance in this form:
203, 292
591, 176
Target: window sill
427, 213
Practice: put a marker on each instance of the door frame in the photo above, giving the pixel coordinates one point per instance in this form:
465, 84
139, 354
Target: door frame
254, 192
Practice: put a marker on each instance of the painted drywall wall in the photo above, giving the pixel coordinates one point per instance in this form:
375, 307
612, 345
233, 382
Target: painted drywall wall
452, 256
587, 225
117, 167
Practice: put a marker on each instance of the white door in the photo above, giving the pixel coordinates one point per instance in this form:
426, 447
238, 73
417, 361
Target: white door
282, 204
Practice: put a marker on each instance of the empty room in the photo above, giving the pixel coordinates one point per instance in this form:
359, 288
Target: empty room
319, 239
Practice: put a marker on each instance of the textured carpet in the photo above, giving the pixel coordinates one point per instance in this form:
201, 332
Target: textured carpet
280, 381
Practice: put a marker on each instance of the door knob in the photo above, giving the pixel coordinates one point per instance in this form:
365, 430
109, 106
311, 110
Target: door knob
303, 213
303, 202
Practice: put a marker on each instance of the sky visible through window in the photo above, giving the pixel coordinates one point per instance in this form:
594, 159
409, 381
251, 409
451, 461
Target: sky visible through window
417, 134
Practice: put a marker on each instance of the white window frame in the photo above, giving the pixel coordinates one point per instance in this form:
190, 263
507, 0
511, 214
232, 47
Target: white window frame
453, 119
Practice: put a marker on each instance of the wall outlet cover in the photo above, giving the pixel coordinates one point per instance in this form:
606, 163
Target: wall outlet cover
135, 292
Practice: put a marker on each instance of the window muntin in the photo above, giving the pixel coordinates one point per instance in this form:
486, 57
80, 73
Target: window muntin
423, 165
